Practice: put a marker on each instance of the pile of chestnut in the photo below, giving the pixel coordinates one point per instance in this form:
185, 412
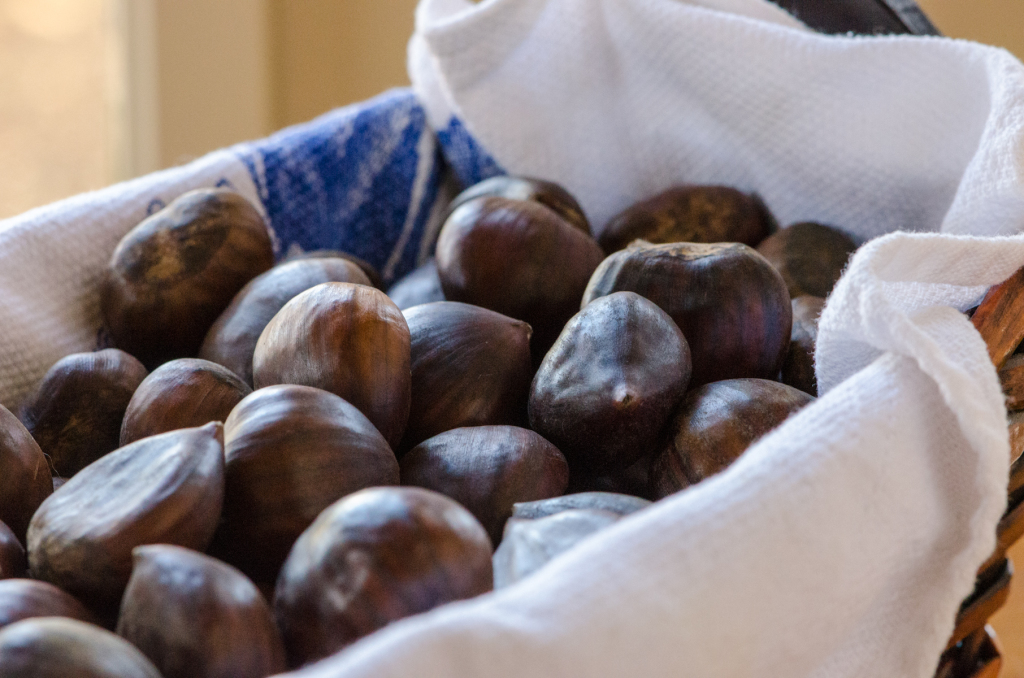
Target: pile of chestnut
290, 433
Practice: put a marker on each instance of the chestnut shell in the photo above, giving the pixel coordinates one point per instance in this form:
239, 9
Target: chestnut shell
174, 273
13, 562
798, 370
24, 474
547, 193
810, 257
27, 598
731, 305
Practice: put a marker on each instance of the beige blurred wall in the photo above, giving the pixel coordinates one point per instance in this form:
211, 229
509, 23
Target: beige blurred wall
993, 22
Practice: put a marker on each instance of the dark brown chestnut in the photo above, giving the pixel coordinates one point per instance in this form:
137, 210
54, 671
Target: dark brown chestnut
619, 504
705, 214
348, 339
196, 617
518, 258
57, 647
547, 193
715, 424
27, 598
470, 367
529, 545
75, 414
163, 489
24, 474
798, 370
232, 339
175, 272
372, 558
368, 269
606, 388
810, 257
12, 554
421, 286
634, 480
488, 469
731, 305
291, 452
182, 393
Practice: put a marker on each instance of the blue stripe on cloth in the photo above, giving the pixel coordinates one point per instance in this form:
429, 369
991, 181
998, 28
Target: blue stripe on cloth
352, 180
467, 158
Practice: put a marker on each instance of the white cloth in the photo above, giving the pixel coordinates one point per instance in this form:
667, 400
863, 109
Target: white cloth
841, 544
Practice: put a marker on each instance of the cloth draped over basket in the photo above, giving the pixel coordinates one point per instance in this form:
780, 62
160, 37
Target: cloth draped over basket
839, 545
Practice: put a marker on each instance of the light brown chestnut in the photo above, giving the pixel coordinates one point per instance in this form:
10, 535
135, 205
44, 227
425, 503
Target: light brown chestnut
55, 647
519, 258
196, 617
731, 305
529, 545
606, 388
691, 213
232, 339
174, 273
163, 489
470, 367
12, 554
715, 424
348, 339
488, 469
547, 193
810, 257
182, 393
27, 598
798, 369
619, 504
375, 557
291, 452
24, 474
421, 286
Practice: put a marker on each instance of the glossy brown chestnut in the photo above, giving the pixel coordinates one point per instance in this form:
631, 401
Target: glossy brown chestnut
421, 286
348, 339
731, 305
232, 339
810, 257
182, 393
547, 193
368, 269
75, 414
715, 424
291, 452
26, 598
56, 647
372, 558
470, 367
12, 554
24, 474
175, 272
196, 617
705, 214
518, 258
798, 370
619, 504
606, 388
488, 469
163, 489
529, 544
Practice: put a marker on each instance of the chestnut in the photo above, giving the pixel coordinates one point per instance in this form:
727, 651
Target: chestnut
368, 269
810, 257
196, 617
606, 388
519, 258
166, 488
547, 193
470, 367
232, 339
174, 273
12, 554
27, 598
372, 558
56, 647
715, 424
731, 305
421, 286
348, 339
75, 414
291, 451
24, 474
488, 469
691, 213
182, 393
798, 369
619, 504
